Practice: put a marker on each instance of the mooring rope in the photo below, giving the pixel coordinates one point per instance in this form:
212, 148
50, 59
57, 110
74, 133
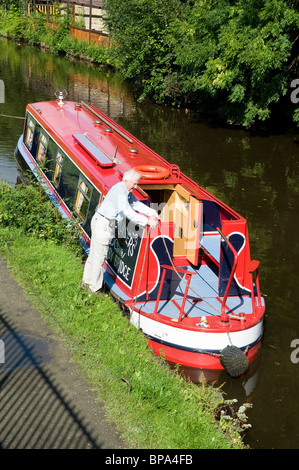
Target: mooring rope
133, 307
13, 117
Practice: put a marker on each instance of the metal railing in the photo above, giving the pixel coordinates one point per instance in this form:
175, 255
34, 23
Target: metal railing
224, 315
256, 299
252, 268
188, 275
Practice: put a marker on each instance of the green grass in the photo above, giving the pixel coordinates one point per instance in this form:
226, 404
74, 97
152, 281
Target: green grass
151, 406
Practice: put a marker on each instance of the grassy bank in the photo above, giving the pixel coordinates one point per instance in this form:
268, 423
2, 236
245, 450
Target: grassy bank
35, 30
151, 406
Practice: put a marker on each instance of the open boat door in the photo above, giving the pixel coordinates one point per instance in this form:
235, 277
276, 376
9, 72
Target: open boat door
194, 233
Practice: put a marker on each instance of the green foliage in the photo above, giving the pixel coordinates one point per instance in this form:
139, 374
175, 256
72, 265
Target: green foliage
234, 60
29, 209
11, 23
140, 31
72, 47
36, 31
230, 59
245, 70
12, 4
296, 116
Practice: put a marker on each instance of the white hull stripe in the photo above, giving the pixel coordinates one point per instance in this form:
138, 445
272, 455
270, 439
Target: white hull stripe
196, 341
199, 351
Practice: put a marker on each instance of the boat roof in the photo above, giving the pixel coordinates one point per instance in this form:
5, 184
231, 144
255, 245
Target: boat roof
102, 148
83, 129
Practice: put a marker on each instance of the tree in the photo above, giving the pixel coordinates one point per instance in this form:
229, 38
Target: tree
18, 4
233, 58
237, 56
139, 29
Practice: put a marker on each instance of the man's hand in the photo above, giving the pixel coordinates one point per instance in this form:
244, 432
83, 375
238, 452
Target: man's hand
153, 222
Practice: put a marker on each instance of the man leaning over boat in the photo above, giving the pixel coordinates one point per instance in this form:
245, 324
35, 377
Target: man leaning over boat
118, 205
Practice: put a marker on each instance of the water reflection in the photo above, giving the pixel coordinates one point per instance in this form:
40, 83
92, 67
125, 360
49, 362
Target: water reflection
256, 174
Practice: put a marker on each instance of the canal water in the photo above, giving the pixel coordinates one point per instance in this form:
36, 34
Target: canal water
254, 173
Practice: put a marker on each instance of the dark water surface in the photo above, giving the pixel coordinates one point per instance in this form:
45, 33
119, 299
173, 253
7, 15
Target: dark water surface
256, 174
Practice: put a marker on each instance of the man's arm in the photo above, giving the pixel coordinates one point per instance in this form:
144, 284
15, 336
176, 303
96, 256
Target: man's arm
135, 211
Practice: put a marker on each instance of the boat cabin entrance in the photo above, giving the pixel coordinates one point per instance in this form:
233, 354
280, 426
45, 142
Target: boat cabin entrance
177, 205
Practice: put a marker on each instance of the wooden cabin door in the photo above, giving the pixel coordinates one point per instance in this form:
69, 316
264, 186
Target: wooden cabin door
194, 230
183, 210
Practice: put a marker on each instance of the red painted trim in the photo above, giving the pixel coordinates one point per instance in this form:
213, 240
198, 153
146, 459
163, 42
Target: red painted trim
196, 360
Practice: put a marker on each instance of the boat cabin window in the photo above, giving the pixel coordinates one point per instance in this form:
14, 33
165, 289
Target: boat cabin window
42, 148
58, 169
84, 191
77, 192
30, 133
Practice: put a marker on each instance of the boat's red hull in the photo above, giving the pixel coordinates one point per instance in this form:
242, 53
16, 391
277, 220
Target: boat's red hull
196, 360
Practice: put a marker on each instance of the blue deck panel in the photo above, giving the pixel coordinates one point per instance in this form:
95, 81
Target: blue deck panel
206, 307
203, 284
212, 244
201, 300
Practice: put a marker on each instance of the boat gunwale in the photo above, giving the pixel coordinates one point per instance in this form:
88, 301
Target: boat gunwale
215, 324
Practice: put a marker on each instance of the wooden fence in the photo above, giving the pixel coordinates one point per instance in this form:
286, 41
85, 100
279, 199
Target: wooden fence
88, 13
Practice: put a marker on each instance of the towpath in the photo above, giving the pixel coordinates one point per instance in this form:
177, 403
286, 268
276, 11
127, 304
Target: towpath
45, 403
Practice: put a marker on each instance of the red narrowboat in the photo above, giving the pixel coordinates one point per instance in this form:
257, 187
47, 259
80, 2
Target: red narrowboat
190, 284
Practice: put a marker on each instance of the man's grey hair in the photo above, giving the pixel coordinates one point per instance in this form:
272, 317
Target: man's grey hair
129, 175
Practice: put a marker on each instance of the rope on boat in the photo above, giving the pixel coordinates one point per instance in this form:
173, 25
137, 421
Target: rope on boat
232, 359
133, 307
14, 117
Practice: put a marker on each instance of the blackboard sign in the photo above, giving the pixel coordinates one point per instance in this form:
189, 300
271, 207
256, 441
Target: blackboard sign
123, 252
